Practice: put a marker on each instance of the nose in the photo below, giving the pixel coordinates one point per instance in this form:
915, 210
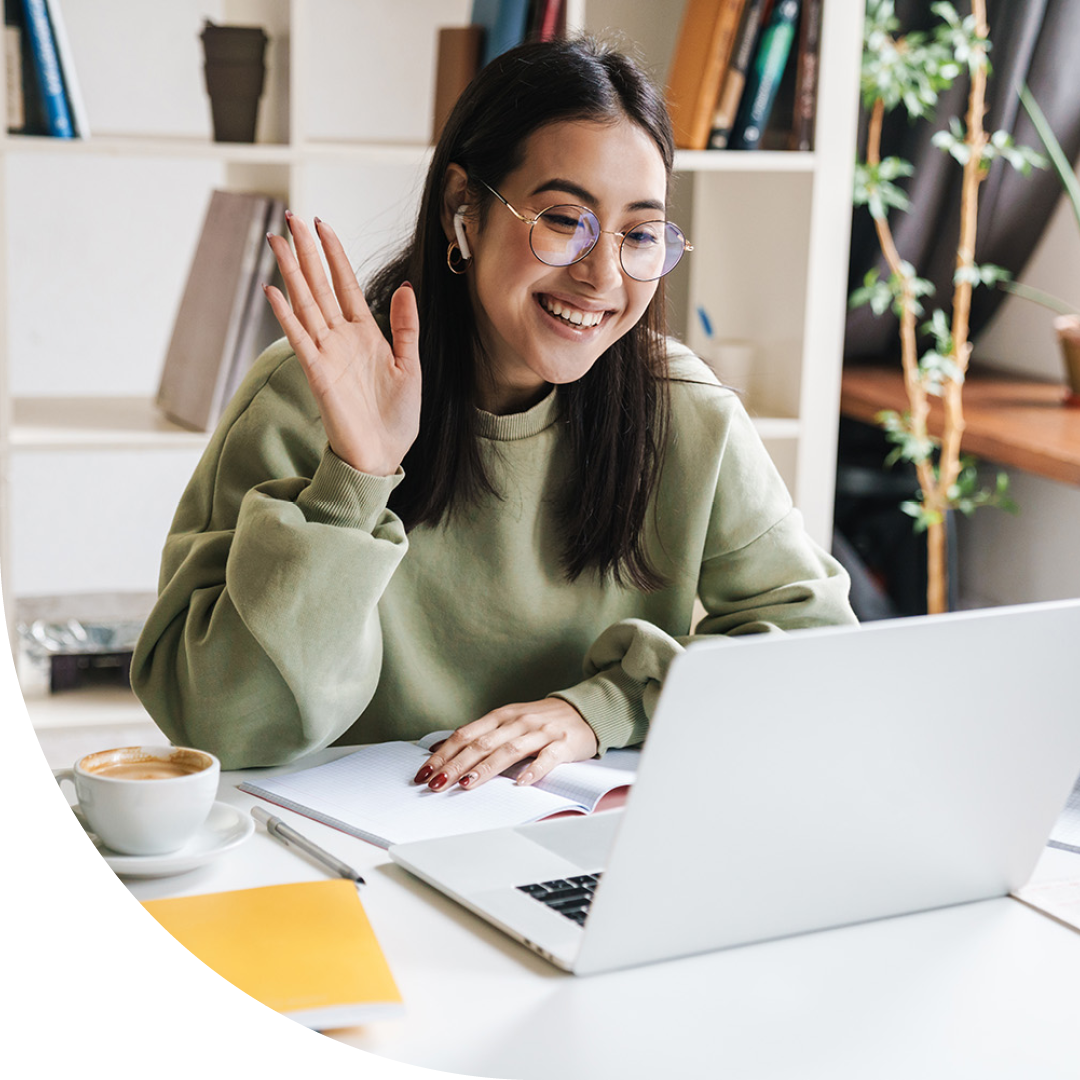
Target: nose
601, 268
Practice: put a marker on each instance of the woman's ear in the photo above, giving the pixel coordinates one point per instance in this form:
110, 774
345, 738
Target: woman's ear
455, 197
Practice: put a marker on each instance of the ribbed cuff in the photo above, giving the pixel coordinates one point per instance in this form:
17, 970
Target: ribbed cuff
340, 495
611, 703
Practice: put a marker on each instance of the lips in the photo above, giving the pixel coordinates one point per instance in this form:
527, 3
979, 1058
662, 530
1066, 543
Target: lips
570, 314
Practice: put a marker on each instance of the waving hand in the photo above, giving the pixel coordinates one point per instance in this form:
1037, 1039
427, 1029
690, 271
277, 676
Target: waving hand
368, 392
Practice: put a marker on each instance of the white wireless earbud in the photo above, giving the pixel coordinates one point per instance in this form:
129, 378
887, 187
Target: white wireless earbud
459, 232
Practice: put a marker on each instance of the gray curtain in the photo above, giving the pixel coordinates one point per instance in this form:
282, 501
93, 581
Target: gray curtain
1037, 41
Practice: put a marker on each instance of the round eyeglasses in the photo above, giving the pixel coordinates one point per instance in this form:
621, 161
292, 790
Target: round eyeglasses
563, 235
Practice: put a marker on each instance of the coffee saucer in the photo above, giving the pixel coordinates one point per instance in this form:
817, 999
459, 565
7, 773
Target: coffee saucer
225, 828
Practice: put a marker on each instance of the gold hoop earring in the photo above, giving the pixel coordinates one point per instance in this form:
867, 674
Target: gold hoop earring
458, 265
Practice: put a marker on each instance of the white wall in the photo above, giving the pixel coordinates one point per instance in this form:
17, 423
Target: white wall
1033, 556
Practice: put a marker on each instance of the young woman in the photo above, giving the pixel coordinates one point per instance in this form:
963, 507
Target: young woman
484, 496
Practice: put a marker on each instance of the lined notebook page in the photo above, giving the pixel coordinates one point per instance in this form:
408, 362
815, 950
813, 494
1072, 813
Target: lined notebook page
371, 794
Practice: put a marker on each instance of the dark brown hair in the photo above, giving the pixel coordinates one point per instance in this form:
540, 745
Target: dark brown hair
616, 415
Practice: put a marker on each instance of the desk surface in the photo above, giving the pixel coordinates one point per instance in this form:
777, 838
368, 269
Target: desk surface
1013, 421
984, 990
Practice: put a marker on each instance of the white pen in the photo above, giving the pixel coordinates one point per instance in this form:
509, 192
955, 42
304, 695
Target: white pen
289, 836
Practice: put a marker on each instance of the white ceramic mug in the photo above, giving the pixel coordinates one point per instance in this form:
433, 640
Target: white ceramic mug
144, 800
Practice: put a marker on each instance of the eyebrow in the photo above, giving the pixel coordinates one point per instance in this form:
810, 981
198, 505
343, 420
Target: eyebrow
586, 196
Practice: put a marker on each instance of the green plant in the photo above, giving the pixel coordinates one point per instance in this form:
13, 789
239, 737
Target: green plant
909, 71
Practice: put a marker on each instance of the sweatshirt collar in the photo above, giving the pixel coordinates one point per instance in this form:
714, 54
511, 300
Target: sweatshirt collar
522, 425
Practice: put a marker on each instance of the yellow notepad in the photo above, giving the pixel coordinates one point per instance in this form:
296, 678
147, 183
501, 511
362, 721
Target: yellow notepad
307, 950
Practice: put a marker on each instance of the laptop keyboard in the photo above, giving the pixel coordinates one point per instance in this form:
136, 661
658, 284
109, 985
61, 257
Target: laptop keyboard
568, 896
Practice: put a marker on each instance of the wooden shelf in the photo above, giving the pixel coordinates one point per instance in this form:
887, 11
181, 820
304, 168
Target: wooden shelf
757, 161
155, 146
105, 423
1014, 421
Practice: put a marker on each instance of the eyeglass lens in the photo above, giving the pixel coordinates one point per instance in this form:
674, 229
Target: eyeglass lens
564, 234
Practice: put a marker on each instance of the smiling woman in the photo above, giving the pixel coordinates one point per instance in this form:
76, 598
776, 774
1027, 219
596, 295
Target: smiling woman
485, 495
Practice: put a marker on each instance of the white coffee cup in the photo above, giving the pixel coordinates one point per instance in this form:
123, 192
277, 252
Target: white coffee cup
144, 800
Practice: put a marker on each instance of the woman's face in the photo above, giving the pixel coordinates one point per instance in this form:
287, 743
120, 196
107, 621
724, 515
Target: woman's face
617, 172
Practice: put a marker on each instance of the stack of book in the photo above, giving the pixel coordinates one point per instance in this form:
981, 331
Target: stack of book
224, 320
744, 75
494, 27
43, 96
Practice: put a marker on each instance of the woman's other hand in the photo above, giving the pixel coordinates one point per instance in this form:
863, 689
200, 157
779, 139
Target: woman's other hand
551, 731
368, 392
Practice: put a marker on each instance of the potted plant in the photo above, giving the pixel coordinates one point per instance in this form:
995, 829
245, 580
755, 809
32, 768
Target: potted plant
1067, 323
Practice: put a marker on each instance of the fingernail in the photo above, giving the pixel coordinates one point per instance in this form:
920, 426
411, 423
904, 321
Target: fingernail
523, 779
406, 284
439, 782
288, 219
269, 237
468, 778
423, 774
317, 223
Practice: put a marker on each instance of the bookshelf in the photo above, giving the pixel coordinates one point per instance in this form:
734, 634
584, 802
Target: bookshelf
99, 235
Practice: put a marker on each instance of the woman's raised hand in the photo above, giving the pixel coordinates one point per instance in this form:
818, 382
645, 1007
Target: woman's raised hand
368, 393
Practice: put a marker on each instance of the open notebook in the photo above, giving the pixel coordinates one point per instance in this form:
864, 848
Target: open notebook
370, 794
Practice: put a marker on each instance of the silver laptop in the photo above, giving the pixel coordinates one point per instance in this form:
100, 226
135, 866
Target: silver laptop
794, 783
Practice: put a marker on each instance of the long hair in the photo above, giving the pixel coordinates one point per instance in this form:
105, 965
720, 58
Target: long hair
616, 415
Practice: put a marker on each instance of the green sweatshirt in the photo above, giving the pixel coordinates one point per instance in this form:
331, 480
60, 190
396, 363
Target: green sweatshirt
294, 611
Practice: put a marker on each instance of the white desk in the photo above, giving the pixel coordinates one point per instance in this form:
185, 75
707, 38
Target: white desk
984, 990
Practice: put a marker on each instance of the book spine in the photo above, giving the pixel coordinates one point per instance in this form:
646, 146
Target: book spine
806, 78
761, 87
72, 90
727, 106
47, 67
548, 25
16, 108
702, 54
509, 28
458, 61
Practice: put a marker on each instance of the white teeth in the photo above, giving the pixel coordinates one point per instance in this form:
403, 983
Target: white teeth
573, 315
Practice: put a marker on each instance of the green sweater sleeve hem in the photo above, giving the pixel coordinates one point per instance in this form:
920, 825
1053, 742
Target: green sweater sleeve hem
340, 495
612, 704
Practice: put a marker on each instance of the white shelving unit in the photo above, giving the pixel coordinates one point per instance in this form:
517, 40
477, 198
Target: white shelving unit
99, 235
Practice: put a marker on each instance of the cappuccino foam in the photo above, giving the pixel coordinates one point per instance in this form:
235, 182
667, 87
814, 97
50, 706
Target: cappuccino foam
146, 770
135, 763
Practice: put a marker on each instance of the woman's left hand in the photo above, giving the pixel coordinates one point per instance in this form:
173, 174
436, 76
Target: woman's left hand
551, 731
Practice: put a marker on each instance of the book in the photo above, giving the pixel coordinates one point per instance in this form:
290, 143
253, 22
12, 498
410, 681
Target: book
702, 53
727, 105
47, 70
765, 76
306, 950
13, 74
370, 794
72, 90
200, 364
548, 20
258, 324
806, 76
504, 23
458, 60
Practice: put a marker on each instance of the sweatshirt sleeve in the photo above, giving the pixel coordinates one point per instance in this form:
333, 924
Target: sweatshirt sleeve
759, 573
265, 643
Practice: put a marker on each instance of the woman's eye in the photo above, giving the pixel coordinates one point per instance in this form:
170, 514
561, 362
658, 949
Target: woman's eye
643, 237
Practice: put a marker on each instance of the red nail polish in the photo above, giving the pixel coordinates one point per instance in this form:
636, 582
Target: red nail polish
317, 223
467, 779
406, 285
439, 782
423, 774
